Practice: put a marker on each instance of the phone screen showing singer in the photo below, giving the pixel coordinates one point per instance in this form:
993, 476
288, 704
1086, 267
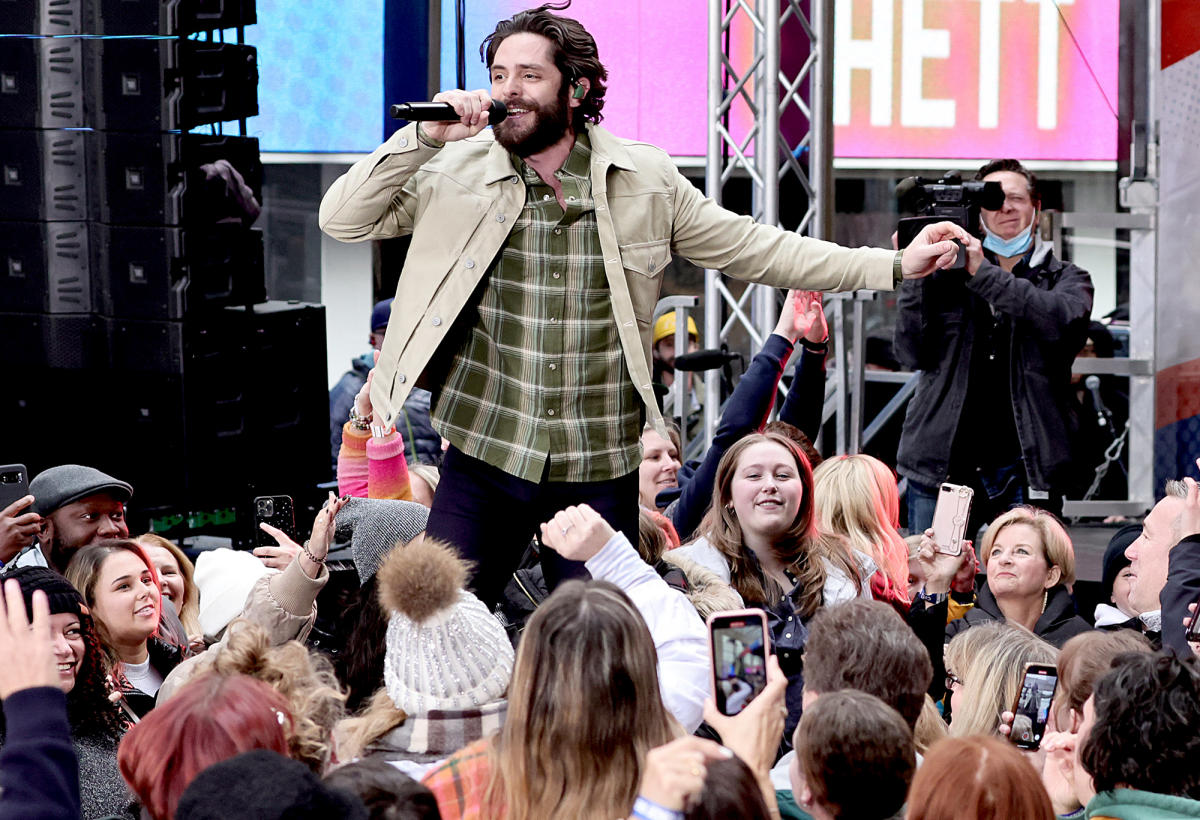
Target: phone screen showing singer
741, 665
1033, 708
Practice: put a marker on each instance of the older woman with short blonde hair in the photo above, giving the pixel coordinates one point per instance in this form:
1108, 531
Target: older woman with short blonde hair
1030, 565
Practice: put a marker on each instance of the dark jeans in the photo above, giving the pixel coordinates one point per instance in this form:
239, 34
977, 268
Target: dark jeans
490, 516
997, 490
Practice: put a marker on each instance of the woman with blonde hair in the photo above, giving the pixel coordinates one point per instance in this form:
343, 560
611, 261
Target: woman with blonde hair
584, 709
176, 576
305, 679
857, 499
984, 670
1030, 565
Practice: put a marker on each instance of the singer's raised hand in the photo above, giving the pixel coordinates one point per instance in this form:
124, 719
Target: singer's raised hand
472, 108
932, 249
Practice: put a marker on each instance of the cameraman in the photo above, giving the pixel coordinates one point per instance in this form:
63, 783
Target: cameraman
994, 344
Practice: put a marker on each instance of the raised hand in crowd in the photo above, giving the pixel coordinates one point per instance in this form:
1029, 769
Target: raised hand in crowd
312, 555
26, 651
674, 774
17, 528
1036, 757
964, 579
942, 571
801, 316
39, 770
1059, 771
809, 313
577, 533
788, 324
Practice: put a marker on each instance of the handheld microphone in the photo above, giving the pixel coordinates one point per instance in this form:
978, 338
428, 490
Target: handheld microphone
1092, 383
441, 112
703, 360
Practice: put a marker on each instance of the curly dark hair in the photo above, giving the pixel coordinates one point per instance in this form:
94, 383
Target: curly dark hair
574, 50
89, 711
359, 666
88, 707
1147, 729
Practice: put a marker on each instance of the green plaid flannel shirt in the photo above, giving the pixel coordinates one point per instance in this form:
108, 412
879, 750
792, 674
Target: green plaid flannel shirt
541, 376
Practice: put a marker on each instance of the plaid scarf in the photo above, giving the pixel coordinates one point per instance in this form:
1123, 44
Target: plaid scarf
438, 734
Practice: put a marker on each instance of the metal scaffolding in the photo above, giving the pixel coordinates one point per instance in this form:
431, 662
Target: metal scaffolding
748, 95
756, 146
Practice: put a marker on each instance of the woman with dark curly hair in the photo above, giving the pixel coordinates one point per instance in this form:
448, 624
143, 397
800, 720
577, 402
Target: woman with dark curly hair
1140, 737
96, 724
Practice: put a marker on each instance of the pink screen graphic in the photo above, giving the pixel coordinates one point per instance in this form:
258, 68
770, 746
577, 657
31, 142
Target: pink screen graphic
913, 78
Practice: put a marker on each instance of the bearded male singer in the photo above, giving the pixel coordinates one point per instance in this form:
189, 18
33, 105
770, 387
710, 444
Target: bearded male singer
526, 300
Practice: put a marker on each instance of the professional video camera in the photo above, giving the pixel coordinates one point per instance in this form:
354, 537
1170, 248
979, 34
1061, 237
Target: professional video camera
948, 199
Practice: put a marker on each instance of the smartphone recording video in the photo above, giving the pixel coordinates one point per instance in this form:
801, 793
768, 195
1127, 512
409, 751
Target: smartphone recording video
739, 645
950, 517
279, 512
1033, 705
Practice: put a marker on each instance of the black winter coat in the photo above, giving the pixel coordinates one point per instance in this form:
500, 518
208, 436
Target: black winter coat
1049, 303
1058, 624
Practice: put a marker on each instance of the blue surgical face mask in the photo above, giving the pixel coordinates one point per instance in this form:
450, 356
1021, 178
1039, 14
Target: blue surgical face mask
1009, 247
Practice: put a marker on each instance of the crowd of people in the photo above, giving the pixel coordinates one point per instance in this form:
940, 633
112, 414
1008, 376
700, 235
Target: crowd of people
136, 684
532, 564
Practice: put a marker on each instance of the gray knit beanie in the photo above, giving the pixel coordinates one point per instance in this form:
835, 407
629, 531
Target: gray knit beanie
374, 526
445, 650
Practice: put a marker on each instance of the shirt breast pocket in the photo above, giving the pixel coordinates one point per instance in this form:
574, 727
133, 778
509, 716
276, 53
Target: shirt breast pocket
644, 263
646, 258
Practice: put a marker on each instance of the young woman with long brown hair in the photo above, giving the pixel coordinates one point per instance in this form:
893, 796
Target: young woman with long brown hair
584, 708
761, 536
121, 589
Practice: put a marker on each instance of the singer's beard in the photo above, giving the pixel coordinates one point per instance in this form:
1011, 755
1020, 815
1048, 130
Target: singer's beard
527, 137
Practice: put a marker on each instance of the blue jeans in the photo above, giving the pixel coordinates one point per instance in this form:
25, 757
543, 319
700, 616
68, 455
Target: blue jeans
996, 490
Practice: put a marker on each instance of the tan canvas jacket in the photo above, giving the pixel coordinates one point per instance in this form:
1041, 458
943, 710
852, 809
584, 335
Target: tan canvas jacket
459, 203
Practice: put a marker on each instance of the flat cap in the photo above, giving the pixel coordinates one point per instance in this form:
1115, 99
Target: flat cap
58, 486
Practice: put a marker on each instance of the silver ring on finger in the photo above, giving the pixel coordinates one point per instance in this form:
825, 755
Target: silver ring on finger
564, 529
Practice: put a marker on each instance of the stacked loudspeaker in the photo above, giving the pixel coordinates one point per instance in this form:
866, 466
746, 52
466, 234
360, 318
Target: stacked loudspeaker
137, 335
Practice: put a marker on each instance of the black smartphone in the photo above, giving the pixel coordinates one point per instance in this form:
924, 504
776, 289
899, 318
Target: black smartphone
279, 512
950, 517
1032, 708
739, 646
14, 485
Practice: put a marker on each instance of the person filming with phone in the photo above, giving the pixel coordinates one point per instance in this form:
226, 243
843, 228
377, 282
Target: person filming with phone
994, 342
1030, 566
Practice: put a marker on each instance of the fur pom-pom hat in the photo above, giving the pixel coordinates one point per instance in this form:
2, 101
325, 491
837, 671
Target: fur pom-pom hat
445, 650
